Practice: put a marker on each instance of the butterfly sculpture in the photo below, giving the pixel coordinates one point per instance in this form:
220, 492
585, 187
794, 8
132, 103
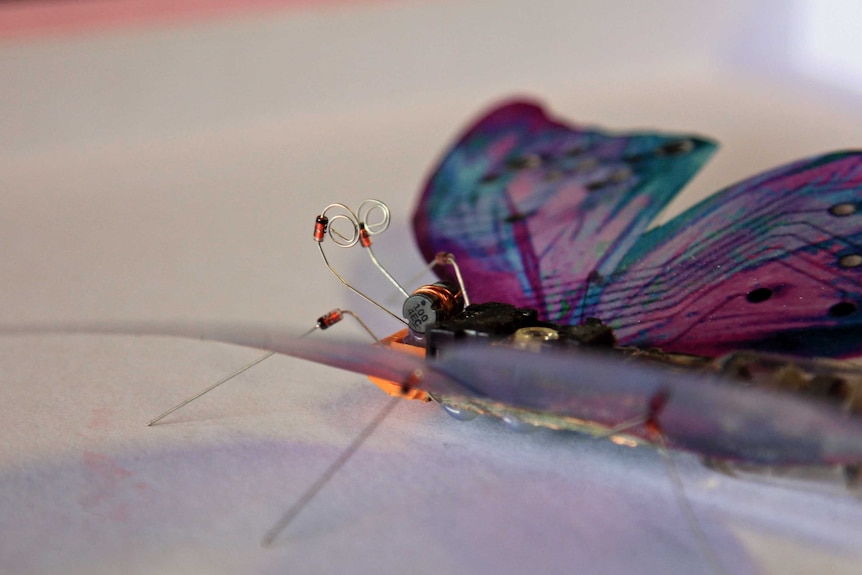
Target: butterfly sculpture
552, 221
553, 218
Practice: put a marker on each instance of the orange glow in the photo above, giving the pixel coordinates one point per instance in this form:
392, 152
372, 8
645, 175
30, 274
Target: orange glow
394, 342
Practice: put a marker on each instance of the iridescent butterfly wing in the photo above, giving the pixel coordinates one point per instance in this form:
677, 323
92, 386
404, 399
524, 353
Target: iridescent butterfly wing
531, 207
772, 263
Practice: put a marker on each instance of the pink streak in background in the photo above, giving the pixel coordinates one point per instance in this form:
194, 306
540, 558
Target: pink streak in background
62, 17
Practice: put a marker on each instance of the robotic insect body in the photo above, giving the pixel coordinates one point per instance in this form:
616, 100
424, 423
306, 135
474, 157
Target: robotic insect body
548, 223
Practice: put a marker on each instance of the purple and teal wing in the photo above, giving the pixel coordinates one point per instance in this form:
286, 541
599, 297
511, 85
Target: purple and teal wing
532, 207
772, 263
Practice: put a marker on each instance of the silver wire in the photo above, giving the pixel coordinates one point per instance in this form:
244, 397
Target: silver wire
372, 215
365, 214
334, 230
212, 387
321, 481
363, 217
449, 259
353, 289
380, 267
360, 322
679, 490
685, 505
251, 364
621, 427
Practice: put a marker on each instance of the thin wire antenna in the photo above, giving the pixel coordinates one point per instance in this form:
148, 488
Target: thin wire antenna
621, 427
358, 320
368, 226
315, 488
685, 506
354, 290
227, 378
650, 420
448, 259
443, 259
426, 269
356, 232
383, 270
323, 322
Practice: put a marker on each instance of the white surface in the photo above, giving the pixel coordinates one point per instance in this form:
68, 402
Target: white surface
175, 174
